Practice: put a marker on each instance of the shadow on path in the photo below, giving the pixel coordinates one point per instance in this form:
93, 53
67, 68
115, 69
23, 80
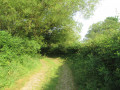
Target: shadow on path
62, 81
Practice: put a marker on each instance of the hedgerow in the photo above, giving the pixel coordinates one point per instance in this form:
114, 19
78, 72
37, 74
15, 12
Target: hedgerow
96, 65
16, 57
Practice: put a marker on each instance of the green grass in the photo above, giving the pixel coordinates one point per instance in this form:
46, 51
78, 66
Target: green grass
16, 70
53, 74
19, 74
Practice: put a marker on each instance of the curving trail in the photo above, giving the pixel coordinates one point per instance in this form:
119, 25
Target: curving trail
37, 80
52, 69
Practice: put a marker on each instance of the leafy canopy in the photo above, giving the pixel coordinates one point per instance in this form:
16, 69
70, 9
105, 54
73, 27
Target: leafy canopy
42, 19
109, 24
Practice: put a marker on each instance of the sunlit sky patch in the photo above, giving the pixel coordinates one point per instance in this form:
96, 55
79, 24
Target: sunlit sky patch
105, 8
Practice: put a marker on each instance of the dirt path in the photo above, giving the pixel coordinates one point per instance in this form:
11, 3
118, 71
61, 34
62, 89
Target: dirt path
48, 71
37, 80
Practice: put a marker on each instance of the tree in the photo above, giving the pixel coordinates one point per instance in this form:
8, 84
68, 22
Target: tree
42, 19
110, 23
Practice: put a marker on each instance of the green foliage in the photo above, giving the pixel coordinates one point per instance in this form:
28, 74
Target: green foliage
15, 70
28, 25
110, 23
42, 19
14, 47
84, 71
96, 64
15, 57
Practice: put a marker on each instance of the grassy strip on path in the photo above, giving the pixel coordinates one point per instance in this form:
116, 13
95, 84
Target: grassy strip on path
53, 75
39, 80
66, 81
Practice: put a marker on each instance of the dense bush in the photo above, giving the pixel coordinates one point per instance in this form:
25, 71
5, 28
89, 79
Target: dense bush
13, 47
14, 71
97, 63
15, 57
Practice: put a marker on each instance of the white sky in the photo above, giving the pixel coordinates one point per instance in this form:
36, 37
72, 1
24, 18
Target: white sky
105, 9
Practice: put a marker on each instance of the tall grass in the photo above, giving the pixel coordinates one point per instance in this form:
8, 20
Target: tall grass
15, 70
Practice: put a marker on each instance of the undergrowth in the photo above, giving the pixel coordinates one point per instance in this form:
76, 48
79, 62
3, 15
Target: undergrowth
96, 64
15, 70
17, 58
